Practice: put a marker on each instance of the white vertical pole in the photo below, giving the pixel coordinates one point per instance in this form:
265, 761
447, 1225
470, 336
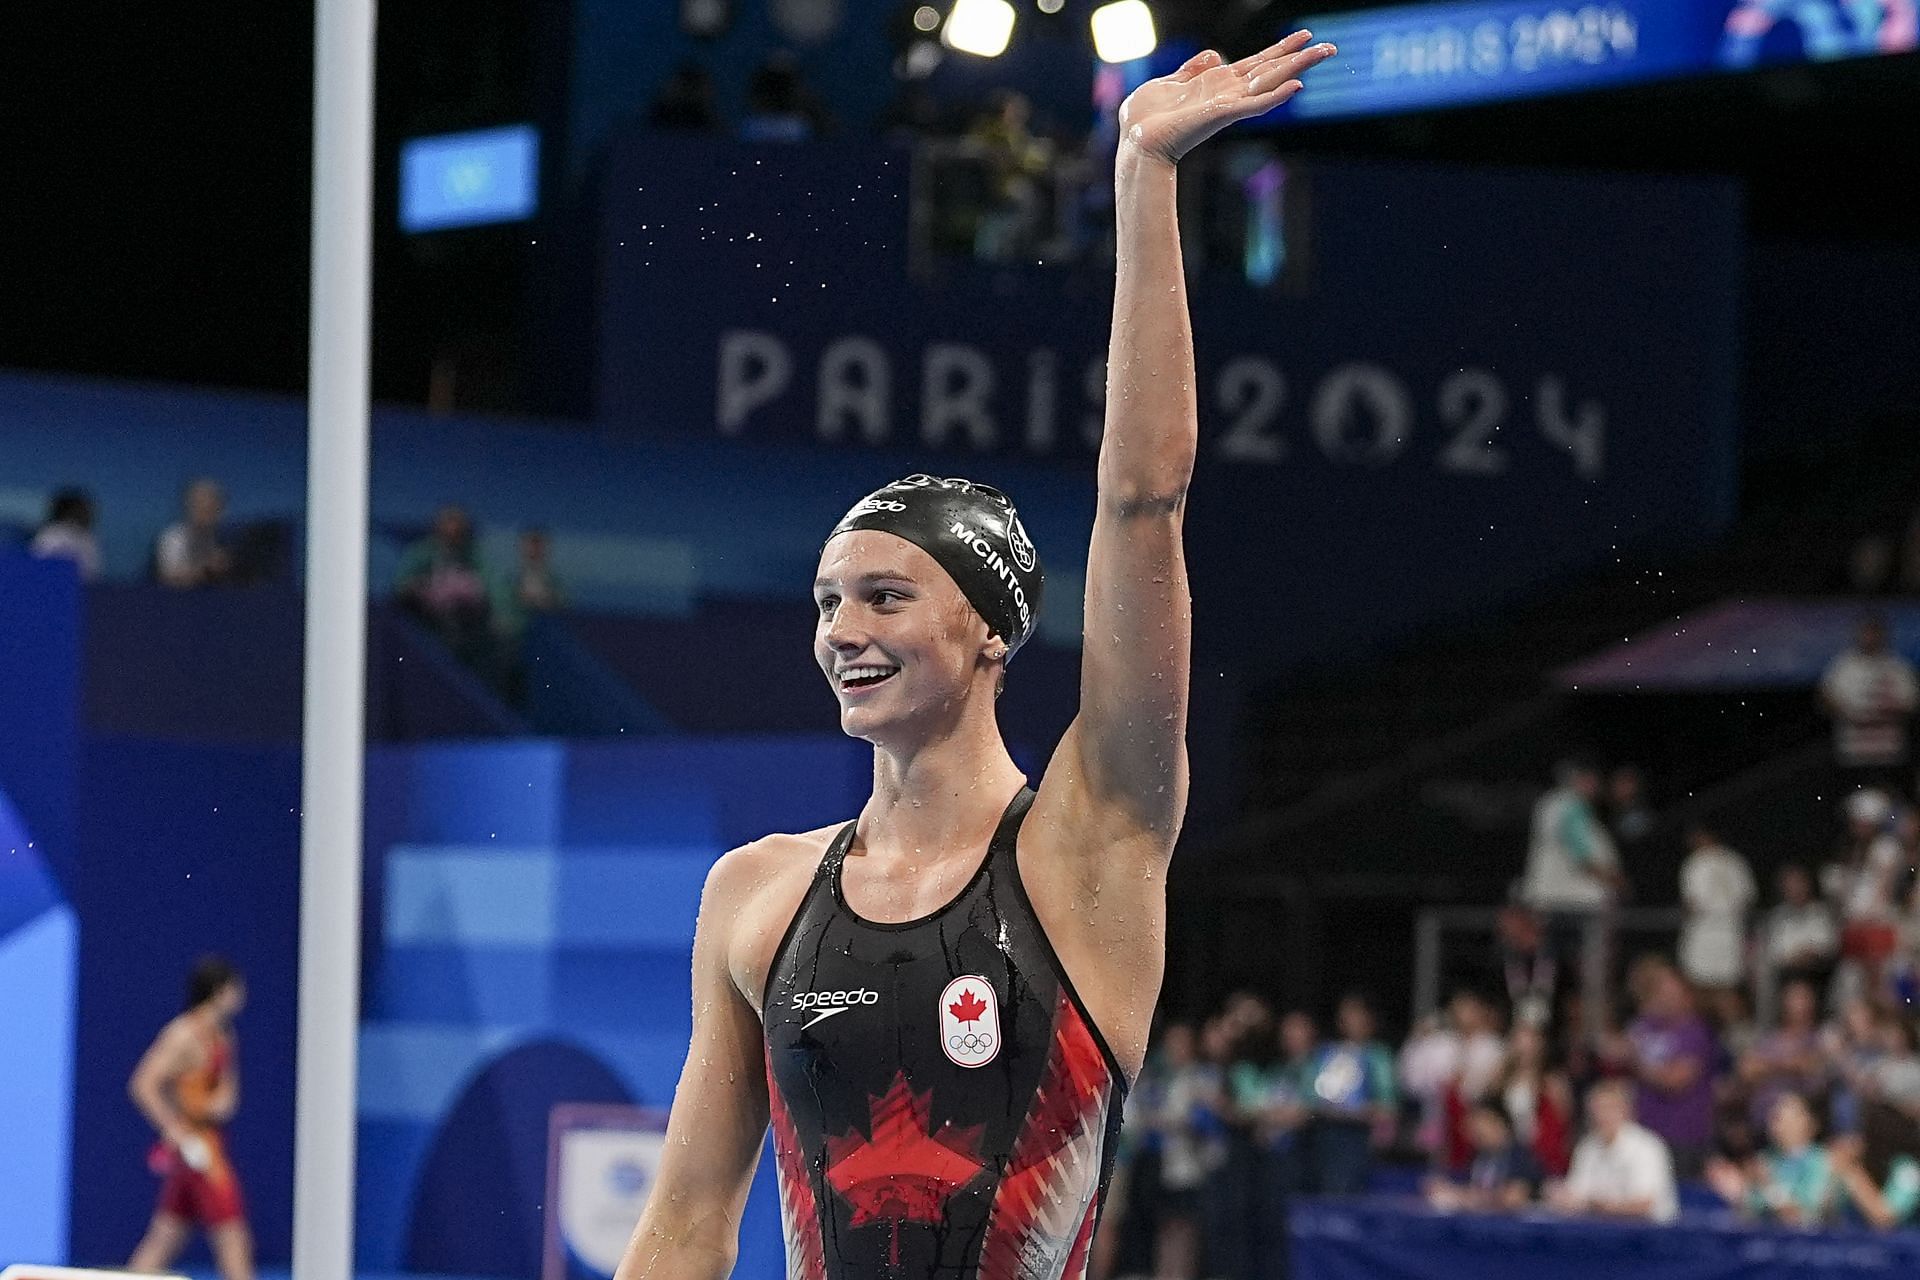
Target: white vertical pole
336, 641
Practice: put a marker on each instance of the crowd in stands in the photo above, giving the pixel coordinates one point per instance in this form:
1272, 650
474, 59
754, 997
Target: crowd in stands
481, 614
1808, 1122
191, 552
1766, 1065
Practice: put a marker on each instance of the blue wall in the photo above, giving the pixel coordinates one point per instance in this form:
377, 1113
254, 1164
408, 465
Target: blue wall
39, 945
530, 912
39, 928
183, 849
40, 661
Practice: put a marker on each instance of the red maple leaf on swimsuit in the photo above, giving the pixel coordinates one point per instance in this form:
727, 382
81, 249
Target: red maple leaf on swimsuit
902, 1173
968, 1007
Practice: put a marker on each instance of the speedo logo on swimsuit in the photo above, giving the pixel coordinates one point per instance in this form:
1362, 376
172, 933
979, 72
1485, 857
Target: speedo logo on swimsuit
825, 1004
977, 541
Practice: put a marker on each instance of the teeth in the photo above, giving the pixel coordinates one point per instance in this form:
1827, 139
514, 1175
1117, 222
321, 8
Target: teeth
865, 673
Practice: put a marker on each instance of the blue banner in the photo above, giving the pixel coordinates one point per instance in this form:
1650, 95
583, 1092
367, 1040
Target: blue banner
1421, 56
1466, 382
1447, 331
1353, 1240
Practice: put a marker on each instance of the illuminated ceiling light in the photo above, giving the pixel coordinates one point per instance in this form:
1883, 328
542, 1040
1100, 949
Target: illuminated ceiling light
1052, 6
926, 18
980, 27
1123, 31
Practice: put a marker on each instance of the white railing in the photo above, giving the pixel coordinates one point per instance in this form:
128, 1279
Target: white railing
1601, 936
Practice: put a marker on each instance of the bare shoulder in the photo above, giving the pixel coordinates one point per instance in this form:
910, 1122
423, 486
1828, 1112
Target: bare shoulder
177, 1043
744, 871
752, 894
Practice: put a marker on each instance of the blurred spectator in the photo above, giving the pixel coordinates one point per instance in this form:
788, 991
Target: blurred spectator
1877, 1173
1798, 939
1854, 1046
189, 552
685, 101
1863, 881
1620, 1170
1246, 1014
1017, 161
534, 587
1629, 816
1894, 1079
1526, 963
1124, 1242
1790, 1059
780, 107
1447, 1066
1502, 1175
1190, 1148
1792, 1181
1270, 1098
1870, 692
1572, 868
1354, 1101
443, 582
1538, 1100
1582, 1040
1240, 1043
1289, 1093
67, 533
1672, 1054
1731, 1016
1717, 890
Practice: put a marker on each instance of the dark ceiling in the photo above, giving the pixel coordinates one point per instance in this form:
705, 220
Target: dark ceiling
158, 227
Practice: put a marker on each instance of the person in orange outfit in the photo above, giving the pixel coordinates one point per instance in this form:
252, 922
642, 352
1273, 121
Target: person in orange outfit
188, 1086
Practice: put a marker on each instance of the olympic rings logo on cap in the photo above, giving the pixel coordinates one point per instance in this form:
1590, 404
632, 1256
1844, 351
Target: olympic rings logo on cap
1019, 543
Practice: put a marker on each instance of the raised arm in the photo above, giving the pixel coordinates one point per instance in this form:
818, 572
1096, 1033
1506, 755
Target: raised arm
1127, 748
690, 1229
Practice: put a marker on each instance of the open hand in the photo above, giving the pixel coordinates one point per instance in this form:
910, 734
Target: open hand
1170, 116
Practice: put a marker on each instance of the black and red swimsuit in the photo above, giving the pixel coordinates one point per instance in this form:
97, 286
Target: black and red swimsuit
942, 1104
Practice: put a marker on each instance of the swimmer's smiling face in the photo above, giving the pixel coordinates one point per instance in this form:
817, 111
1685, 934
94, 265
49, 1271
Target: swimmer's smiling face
896, 637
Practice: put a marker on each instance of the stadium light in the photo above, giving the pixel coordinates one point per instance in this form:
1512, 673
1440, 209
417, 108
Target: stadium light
1123, 31
980, 27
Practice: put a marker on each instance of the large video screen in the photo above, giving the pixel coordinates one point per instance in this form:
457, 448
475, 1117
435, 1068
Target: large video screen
1423, 56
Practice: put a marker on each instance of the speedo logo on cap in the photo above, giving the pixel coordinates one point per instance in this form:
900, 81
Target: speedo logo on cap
825, 1004
977, 541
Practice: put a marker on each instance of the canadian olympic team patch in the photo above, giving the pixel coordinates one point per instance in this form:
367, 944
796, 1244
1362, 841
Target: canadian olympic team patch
970, 1021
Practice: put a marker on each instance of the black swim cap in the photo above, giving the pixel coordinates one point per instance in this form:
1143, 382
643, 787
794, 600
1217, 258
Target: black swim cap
975, 534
